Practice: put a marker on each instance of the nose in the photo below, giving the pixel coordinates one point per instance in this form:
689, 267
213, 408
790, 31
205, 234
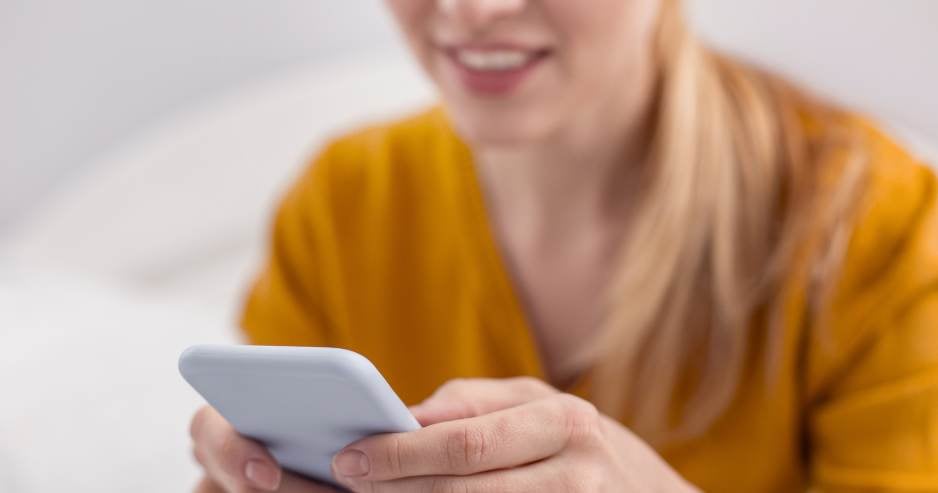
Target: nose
478, 13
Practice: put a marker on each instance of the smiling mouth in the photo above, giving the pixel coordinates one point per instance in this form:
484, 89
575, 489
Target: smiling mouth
495, 60
494, 70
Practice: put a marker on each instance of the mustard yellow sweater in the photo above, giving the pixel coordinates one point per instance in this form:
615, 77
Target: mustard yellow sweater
383, 247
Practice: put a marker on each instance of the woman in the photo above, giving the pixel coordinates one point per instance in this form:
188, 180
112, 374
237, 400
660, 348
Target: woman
725, 285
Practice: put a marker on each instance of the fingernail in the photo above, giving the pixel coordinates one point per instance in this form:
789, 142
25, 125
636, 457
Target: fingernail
352, 463
262, 475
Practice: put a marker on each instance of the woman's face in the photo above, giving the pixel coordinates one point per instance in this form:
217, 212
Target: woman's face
522, 71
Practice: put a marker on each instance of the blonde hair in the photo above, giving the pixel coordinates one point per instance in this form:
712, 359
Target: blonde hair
733, 196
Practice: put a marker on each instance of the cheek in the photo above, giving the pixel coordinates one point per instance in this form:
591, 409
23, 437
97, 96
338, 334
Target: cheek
604, 40
601, 19
403, 10
413, 18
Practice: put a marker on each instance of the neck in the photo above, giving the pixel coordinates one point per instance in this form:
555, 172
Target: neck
579, 176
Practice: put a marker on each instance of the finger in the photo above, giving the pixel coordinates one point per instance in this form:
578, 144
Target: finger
506, 438
231, 460
541, 476
466, 398
206, 485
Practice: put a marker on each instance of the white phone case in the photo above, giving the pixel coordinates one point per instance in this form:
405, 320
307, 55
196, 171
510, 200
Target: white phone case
304, 403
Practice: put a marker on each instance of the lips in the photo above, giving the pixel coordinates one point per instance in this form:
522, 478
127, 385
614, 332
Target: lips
494, 70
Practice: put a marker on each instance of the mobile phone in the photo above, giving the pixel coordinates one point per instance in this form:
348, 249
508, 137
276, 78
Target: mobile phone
304, 404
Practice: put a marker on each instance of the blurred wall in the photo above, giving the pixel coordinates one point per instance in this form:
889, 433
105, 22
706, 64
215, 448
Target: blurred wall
878, 56
78, 77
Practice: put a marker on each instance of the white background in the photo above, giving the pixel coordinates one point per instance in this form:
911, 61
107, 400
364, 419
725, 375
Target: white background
79, 76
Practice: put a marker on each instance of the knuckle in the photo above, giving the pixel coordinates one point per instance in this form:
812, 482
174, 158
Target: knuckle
452, 385
467, 448
581, 418
460, 392
531, 385
395, 456
457, 388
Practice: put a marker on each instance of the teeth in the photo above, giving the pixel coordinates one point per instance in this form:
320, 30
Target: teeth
493, 60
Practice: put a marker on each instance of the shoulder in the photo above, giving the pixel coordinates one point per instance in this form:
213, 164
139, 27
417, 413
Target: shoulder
378, 162
888, 269
891, 191
899, 183
895, 222
871, 362
385, 147
379, 188
891, 201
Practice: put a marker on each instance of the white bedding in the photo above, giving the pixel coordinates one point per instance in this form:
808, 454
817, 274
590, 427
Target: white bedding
91, 397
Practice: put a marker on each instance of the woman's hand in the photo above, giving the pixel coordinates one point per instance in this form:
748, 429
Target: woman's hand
234, 464
505, 435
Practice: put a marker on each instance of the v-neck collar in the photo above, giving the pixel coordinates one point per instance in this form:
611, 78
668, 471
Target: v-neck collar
490, 253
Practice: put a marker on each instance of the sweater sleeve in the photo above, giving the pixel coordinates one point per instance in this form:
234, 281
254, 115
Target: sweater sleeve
880, 432
285, 305
872, 371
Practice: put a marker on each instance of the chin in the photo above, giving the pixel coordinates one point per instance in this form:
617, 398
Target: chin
500, 127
